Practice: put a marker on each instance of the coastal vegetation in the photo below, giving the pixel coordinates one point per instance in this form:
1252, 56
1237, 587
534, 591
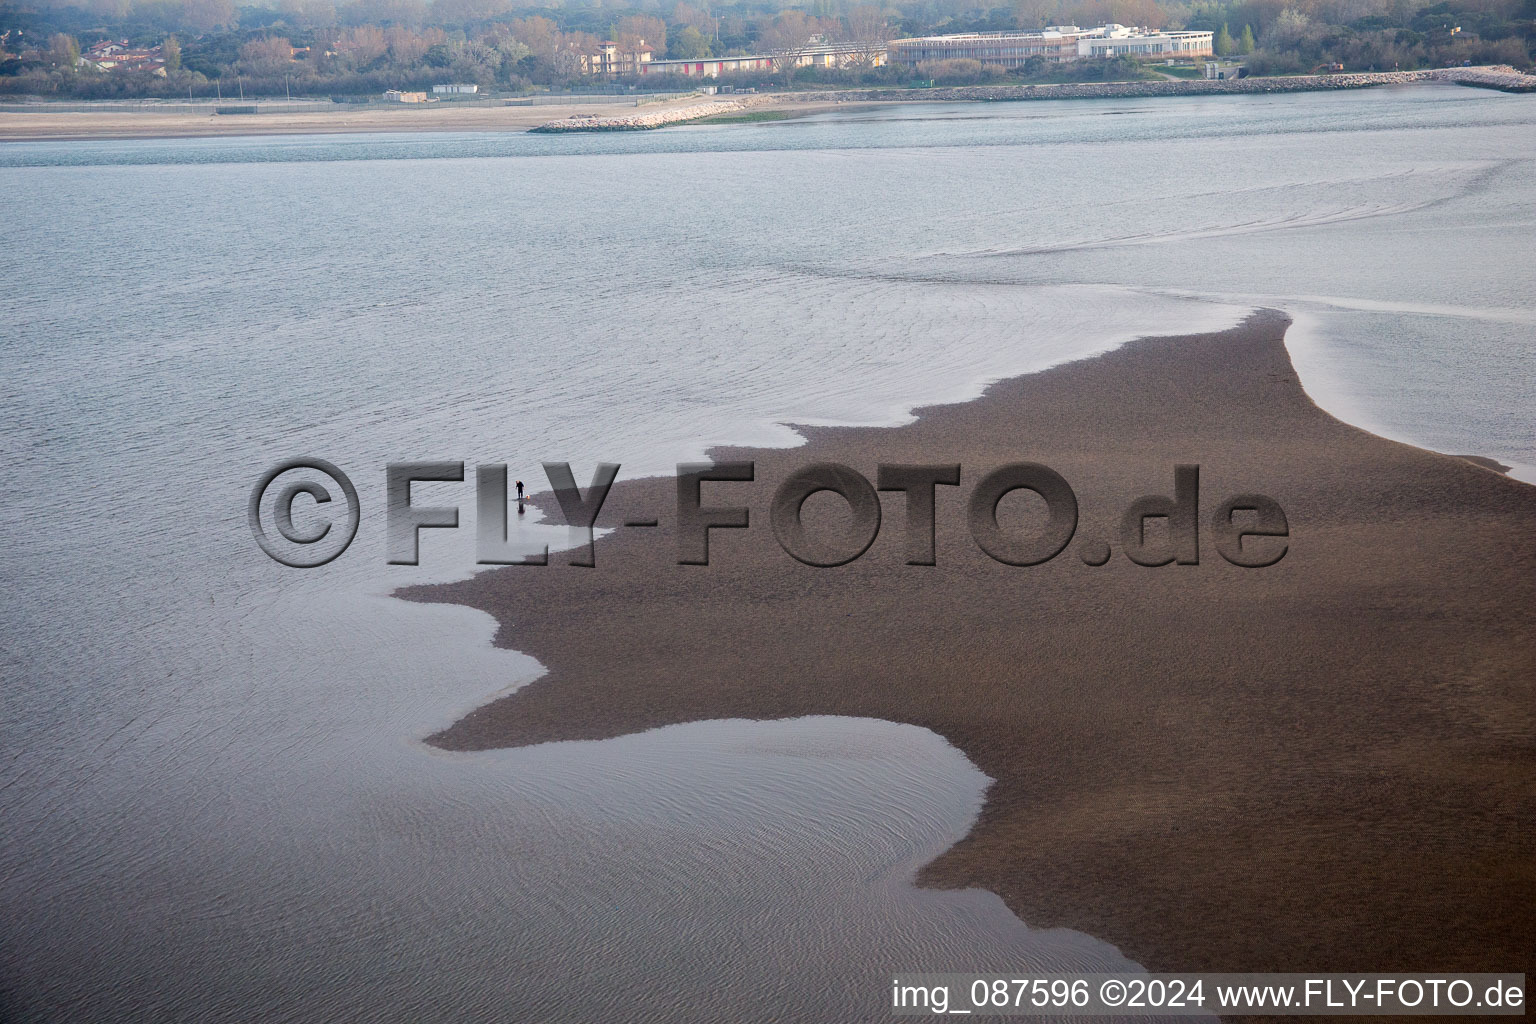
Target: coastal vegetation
358, 48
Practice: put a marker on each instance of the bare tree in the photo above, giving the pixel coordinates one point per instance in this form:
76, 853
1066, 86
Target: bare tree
540, 35
639, 30
572, 47
362, 46
787, 38
868, 31
406, 47
269, 56
688, 15
64, 51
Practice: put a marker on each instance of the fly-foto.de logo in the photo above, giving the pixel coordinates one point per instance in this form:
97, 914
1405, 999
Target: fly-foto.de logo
1248, 530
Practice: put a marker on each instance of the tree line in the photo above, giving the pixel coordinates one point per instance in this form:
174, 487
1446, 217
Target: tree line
359, 47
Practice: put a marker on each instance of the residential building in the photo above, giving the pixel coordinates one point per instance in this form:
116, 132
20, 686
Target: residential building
121, 58
611, 59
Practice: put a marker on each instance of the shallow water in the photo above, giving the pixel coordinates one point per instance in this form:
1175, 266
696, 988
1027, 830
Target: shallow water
217, 803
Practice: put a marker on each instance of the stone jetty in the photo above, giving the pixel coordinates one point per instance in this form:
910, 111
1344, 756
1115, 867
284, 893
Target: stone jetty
1494, 76
654, 119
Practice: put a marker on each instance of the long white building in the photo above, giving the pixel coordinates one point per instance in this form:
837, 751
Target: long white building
1118, 41
820, 55
1055, 43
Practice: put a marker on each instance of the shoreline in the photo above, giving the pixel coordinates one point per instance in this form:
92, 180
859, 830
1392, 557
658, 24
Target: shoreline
1496, 77
73, 126
44, 124
1320, 765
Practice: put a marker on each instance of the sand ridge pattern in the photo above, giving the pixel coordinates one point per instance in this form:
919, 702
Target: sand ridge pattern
1326, 764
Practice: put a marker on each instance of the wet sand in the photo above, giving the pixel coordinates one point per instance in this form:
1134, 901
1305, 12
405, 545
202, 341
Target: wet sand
1326, 764
44, 123
345, 118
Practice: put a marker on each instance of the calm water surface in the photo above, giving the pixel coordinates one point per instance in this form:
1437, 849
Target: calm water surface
217, 804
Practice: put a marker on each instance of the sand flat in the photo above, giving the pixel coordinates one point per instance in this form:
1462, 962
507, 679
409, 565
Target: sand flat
1326, 764
45, 123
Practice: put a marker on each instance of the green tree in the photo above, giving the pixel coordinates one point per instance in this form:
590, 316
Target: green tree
207, 15
1224, 43
1034, 14
689, 44
1245, 44
307, 15
170, 49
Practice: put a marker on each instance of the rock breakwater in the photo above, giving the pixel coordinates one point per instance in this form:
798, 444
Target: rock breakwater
653, 119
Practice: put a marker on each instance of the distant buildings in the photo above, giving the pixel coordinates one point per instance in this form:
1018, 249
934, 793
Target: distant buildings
455, 90
119, 57
1119, 41
841, 55
1006, 49
613, 59
709, 67
1057, 43
821, 55
398, 96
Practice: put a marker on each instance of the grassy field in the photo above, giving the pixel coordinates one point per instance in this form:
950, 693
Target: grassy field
1066, 77
748, 117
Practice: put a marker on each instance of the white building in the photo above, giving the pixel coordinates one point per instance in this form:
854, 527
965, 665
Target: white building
1057, 43
1119, 41
709, 67
820, 55
1006, 49
455, 90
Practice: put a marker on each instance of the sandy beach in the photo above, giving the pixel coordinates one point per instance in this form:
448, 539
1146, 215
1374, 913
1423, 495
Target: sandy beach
1325, 764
